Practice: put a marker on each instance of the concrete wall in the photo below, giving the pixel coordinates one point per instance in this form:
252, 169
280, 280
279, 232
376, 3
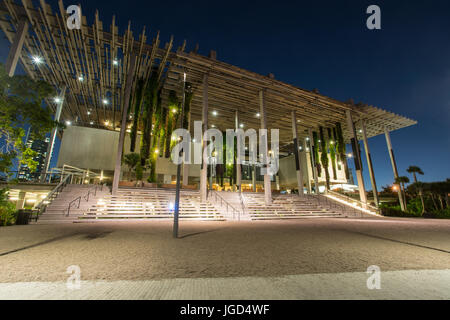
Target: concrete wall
95, 149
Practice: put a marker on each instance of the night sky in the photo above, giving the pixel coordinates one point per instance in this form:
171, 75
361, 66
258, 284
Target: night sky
404, 68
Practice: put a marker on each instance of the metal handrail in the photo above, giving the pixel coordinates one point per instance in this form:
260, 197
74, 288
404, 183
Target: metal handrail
228, 205
361, 204
41, 206
85, 197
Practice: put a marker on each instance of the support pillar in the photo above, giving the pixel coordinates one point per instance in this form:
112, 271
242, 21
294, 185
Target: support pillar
123, 126
185, 165
356, 157
51, 143
204, 169
16, 47
313, 161
254, 178
298, 164
21, 201
267, 183
369, 163
308, 178
394, 167
238, 156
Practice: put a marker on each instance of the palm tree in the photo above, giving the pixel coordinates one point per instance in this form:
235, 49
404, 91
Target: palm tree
401, 181
131, 160
416, 170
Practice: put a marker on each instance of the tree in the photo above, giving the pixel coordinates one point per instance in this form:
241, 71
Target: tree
416, 170
131, 160
401, 182
20, 107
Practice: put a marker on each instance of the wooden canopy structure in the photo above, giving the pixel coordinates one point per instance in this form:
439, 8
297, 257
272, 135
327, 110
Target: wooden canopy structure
93, 62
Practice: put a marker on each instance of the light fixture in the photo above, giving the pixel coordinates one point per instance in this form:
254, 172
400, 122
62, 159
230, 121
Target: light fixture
214, 113
331, 142
213, 126
258, 115
193, 140
88, 113
37, 60
81, 78
319, 141
174, 110
241, 125
115, 62
307, 138
307, 149
106, 123
156, 151
68, 122
91, 123
105, 101
350, 155
360, 130
57, 100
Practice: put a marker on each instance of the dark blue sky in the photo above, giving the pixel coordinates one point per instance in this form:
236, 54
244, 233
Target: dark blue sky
404, 68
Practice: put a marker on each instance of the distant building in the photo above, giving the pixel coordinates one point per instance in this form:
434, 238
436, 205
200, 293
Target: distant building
40, 147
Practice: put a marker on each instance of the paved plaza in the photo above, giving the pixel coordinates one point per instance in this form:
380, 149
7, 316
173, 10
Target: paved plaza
301, 259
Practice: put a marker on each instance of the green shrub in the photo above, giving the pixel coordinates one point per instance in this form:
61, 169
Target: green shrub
7, 210
395, 211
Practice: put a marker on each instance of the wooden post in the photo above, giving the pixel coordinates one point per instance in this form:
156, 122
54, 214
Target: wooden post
238, 156
369, 163
356, 157
16, 47
267, 183
123, 126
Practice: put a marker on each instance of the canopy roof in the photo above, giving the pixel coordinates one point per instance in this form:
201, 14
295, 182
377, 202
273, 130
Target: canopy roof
93, 64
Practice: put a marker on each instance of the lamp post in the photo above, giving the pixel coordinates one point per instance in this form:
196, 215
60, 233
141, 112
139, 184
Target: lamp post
177, 192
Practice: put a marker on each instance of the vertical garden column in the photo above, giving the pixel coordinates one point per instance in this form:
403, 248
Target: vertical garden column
238, 156
369, 162
204, 169
394, 166
313, 161
305, 159
296, 154
123, 126
356, 156
51, 144
267, 183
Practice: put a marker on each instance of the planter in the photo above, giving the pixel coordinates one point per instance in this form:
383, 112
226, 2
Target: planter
150, 185
127, 183
23, 217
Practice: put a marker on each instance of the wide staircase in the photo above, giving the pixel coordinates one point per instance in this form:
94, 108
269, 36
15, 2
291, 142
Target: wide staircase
288, 207
135, 203
80, 197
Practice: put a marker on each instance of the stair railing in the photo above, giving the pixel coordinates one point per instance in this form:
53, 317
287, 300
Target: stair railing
349, 200
222, 202
52, 195
77, 201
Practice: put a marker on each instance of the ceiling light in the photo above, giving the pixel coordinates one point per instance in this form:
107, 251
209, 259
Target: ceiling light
57, 100
91, 123
68, 122
105, 101
115, 62
241, 125
258, 114
214, 113
88, 112
37, 60
81, 78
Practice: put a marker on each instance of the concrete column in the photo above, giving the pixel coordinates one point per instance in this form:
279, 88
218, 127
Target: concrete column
185, 165
51, 143
313, 160
369, 163
308, 178
356, 156
16, 47
204, 168
394, 167
254, 178
238, 158
21, 201
298, 165
123, 126
267, 183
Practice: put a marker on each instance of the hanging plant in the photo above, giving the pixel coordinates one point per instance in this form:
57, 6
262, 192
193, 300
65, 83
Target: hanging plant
173, 115
137, 113
316, 154
332, 147
149, 104
151, 162
340, 147
324, 157
163, 129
